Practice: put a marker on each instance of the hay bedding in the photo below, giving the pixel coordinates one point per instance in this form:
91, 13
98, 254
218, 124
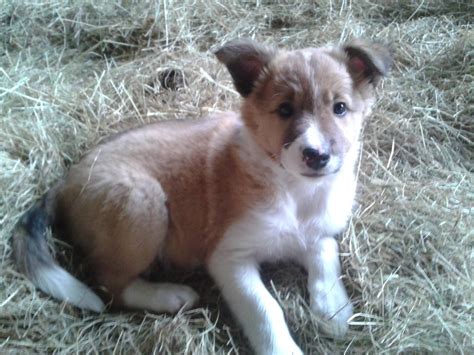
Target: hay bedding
74, 72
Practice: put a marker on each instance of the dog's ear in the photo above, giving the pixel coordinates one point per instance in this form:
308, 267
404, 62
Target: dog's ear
367, 62
246, 60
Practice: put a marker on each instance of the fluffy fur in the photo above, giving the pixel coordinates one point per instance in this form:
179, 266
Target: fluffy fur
229, 192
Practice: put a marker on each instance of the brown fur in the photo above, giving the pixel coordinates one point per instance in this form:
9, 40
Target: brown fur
169, 191
312, 90
113, 208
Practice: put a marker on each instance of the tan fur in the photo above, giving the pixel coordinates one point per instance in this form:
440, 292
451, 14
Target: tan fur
311, 89
193, 166
169, 191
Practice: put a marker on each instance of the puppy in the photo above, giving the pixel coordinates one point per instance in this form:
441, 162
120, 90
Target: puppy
273, 182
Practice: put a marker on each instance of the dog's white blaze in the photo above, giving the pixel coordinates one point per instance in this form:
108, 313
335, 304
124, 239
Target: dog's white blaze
292, 156
312, 138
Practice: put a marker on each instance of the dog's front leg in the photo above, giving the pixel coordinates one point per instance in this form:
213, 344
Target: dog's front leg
328, 296
257, 311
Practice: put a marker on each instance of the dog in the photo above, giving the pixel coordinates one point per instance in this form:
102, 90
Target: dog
273, 182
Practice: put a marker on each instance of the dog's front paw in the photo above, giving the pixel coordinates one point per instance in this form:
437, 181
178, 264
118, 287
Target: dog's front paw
293, 350
336, 325
282, 348
333, 306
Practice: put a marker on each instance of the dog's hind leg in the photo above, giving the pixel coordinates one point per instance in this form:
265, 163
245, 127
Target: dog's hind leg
122, 225
158, 297
142, 231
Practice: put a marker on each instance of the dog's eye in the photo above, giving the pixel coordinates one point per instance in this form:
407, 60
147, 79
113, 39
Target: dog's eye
339, 108
286, 110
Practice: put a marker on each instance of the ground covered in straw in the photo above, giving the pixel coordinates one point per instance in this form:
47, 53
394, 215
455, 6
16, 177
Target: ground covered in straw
73, 72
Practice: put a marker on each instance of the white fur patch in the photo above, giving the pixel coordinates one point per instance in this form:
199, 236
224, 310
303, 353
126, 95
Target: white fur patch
312, 138
257, 311
303, 210
328, 297
159, 297
58, 283
292, 155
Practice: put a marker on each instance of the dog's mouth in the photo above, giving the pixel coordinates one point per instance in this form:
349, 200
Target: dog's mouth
316, 175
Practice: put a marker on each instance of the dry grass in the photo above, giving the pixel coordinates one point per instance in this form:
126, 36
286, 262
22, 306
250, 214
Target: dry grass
73, 72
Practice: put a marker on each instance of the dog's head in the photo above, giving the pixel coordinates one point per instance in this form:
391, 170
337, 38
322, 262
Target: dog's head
305, 107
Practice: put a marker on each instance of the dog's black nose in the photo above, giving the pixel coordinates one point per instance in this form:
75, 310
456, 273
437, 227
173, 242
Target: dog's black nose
314, 159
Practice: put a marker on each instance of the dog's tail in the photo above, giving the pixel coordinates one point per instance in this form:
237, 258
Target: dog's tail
33, 257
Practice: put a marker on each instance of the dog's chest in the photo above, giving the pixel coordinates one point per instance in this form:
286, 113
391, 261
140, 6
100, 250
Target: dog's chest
297, 219
292, 221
